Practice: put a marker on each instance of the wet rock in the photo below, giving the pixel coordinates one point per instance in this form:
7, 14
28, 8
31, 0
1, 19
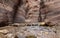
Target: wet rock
10, 35
2, 35
36, 31
4, 31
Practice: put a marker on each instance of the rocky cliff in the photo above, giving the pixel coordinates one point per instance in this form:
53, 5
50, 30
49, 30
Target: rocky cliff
21, 11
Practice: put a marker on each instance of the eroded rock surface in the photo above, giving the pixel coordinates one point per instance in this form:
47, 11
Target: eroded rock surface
22, 32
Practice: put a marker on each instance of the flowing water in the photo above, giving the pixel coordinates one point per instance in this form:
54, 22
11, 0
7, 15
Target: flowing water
37, 31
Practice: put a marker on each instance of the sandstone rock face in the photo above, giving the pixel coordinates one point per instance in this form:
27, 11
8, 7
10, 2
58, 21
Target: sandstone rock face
29, 10
33, 10
5, 10
54, 10
6, 6
32, 7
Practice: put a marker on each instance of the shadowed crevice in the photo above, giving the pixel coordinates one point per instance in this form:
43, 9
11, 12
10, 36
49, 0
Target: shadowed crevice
16, 6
